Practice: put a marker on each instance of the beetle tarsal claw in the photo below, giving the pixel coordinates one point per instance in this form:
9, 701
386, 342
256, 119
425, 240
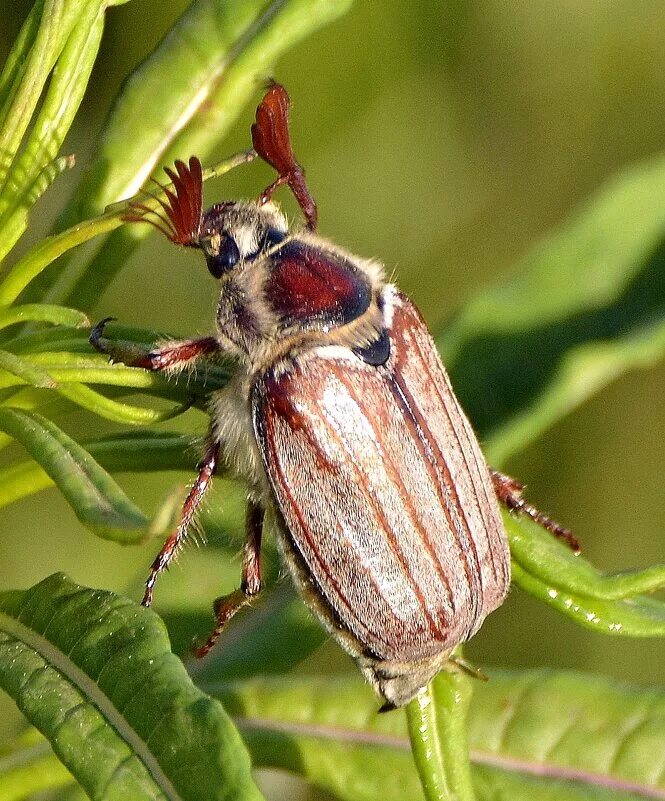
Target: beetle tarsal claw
460, 664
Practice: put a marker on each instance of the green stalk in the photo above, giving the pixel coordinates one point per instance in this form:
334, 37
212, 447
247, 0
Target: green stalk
424, 735
437, 724
452, 693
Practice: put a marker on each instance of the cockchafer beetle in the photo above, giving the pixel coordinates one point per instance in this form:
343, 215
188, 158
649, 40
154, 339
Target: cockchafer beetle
342, 422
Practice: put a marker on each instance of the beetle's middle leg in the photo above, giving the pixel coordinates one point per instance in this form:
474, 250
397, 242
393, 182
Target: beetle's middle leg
509, 492
250, 584
207, 470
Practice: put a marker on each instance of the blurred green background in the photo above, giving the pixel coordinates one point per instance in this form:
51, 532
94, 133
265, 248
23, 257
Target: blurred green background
443, 138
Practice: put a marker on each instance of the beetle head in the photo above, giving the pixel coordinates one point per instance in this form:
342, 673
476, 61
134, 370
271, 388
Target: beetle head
232, 234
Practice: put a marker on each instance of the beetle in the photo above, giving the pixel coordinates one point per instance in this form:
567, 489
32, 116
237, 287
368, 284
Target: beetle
341, 420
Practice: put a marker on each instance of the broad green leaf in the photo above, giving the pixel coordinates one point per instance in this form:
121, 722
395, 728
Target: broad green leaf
184, 100
542, 734
586, 305
94, 496
94, 673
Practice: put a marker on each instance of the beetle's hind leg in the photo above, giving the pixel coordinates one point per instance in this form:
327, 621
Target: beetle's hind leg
250, 584
509, 492
174, 543
171, 357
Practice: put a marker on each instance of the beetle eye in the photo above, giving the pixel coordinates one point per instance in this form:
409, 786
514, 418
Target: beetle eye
274, 236
226, 259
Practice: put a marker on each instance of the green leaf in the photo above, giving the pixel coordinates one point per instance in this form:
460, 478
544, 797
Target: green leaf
48, 250
31, 173
551, 572
18, 55
94, 496
44, 313
548, 559
95, 674
143, 452
23, 370
586, 305
61, 48
543, 734
175, 93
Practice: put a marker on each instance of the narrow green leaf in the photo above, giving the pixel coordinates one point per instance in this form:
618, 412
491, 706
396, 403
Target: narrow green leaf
63, 98
18, 55
118, 412
63, 381
25, 371
94, 496
586, 305
37, 165
147, 451
631, 617
43, 313
144, 452
549, 571
31, 75
95, 368
546, 558
168, 92
51, 248
543, 734
94, 673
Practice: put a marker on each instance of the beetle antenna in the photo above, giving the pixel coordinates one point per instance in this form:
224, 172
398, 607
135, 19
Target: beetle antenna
272, 141
179, 218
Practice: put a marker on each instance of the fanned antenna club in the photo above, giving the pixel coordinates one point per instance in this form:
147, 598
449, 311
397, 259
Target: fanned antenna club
180, 216
272, 141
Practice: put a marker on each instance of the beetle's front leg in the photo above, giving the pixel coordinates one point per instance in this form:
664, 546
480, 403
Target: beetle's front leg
172, 357
250, 584
174, 543
509, 492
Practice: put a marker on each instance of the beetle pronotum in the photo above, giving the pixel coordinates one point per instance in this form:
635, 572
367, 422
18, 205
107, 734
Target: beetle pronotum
342, 422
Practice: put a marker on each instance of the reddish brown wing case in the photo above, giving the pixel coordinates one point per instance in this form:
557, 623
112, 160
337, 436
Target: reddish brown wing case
384, 492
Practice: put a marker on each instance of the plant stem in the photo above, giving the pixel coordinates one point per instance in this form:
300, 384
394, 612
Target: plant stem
452, 697
421, 716
436, 720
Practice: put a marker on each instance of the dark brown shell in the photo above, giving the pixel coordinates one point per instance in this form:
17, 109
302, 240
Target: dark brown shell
384, 492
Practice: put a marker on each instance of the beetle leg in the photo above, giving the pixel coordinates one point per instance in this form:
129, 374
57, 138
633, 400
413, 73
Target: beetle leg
175, 542
250, 584
173, 357
268, 192
509, 492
